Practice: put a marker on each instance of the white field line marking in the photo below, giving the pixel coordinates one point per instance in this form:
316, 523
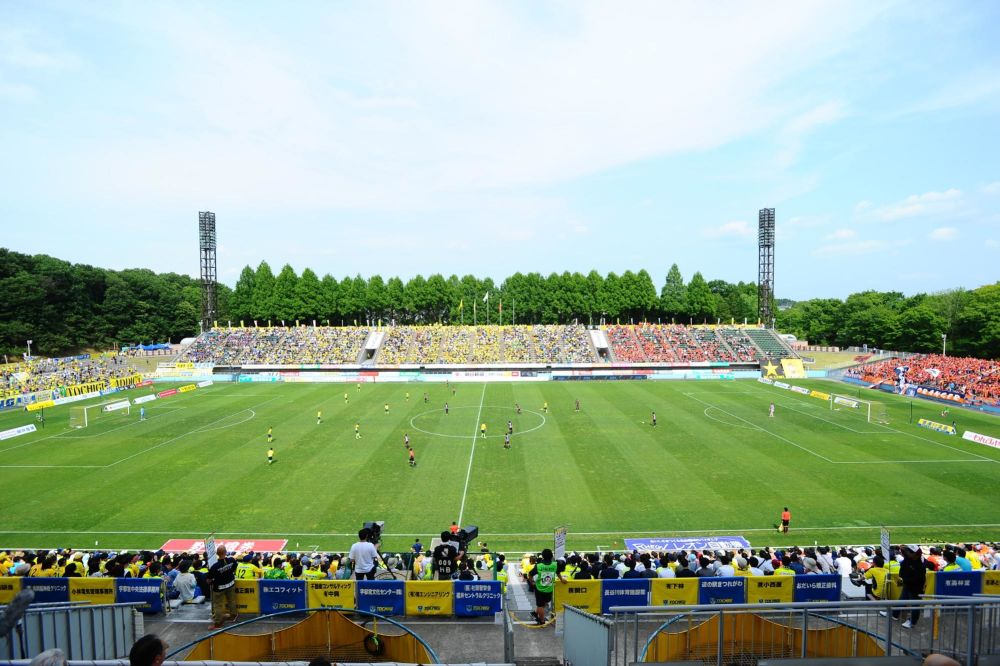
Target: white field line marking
34, 441
472, 454
168, 410
441, 434
701, 532
253, 415
735, 425
931, 441
757, 427
190, 432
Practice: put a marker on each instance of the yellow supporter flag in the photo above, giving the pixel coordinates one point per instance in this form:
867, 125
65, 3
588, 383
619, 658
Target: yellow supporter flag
92, 590
330, 594
248, 596
582, 594
429, 597
44, 404
770, 589
673, 591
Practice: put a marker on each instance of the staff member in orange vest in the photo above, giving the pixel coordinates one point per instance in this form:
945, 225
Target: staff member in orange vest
786, 518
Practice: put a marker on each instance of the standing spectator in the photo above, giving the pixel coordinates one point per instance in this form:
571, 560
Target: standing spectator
543, 576
363, 556
444, 557
913, 574
222, 577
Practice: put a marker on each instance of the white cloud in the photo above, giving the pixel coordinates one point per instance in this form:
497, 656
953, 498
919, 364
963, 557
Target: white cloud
862, 206
944, 234
918, 205
793, 134
990, 242
27, 49
991, 188
853, 249
735, 229
841, 235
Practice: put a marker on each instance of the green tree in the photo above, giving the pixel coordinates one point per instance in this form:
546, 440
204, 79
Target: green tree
286, 296
310, 296
263, 307
673, 296
701, 302
242, 304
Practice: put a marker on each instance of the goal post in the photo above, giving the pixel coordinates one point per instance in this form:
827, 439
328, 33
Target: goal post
872, 411
81, 416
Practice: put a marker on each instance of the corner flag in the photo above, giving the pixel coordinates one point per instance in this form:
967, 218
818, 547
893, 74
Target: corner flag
486, 298
461, 304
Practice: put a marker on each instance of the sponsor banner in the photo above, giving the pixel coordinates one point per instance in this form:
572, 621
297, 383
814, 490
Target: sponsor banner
765, 380
429, 597
688, 543
819, 394
628, 592
800, 389
938, 427
282, 595
673, 591
35, 406
20, 430
92, 590
167, 393
146, 590
9, 587
385, 597
816, 587
248, 596
330, 593
77, 398
186, 388
958, 583
48, 590
770, 589
477, 597
846, 402
205, 384
991, 583
582, 594
726, 590
238, 546
115, 406
184, 366
783, 385
968, 434
125, 382
18, 401
145, 398
144, 383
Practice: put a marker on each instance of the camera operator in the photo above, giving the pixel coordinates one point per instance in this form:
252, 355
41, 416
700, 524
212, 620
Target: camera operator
364, 555
445, 556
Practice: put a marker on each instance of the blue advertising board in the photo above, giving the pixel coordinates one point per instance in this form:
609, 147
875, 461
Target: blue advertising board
624, 592
146, 590
385, 597
726, 590
817, 587
958, 583
477, 597
48, 590
282, 595
690, 543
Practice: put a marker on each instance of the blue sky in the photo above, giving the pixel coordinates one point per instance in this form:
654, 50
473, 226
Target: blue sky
492, 137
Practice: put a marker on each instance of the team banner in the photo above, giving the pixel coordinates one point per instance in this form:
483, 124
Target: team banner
627, 592
92, 590
770, 589
939, 427
673, 591
20, 430
125, 382
477, 597
991, 583
44, 404
981, 439
330, 593
816, 587
582, 594
186, 388
385, 597
687, 543
282, 595
958, 583
727, 590
48, 590
145, 590
248, 596
429, 597
9, 587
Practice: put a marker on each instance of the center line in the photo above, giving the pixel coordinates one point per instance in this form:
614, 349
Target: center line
472, 454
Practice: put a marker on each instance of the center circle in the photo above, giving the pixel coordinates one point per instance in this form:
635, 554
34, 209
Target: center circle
494, 416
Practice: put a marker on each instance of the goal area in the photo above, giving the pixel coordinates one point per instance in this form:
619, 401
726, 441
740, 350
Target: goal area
82, 416
872, 411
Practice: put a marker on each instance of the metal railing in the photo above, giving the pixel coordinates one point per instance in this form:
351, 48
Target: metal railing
83, 632
586, 638
963, 628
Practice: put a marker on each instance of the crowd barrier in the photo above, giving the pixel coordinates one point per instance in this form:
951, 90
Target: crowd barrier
147, 591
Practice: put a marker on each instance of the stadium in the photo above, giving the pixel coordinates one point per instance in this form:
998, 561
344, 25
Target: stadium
515, 432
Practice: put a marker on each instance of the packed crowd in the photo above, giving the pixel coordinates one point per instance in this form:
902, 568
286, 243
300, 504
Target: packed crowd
974, 378
485, 344
44, 374
302, 345
674, 343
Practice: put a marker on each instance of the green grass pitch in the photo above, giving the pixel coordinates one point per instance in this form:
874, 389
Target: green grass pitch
714, 464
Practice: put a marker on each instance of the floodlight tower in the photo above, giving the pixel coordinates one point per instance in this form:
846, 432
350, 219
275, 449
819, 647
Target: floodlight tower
765, 267
209, 271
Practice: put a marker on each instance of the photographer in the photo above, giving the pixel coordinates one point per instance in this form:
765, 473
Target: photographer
364, 555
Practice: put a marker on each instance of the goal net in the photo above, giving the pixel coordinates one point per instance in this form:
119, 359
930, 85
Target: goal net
83, 416
871, 411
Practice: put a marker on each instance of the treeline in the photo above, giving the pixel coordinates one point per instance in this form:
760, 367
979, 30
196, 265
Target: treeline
64, 308
889, 320
529, 298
